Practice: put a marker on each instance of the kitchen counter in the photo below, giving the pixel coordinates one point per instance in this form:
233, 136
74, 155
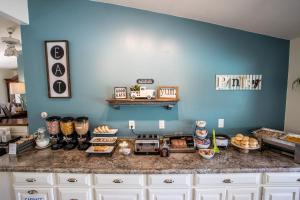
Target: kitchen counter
74, 161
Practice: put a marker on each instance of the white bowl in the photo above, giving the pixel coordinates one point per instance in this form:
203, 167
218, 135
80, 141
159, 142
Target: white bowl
201, 124
206, 156
202, 146
201, 134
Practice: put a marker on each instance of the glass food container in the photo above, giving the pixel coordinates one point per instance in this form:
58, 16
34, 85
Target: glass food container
67, 126
81, 126
53, 125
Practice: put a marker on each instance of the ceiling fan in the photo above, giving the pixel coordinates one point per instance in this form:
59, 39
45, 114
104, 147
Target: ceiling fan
11, 43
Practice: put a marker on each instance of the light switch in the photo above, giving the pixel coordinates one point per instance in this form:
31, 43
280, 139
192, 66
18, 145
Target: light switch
131, 124
161, 124
221, 123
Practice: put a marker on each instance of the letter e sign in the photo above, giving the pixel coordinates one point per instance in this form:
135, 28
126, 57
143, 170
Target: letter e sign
58, 69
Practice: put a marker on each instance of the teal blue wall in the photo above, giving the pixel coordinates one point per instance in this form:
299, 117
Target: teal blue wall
113, 46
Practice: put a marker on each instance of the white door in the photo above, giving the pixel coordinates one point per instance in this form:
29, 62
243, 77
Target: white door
74, 193
243, 194
210, 194
281, 193
119, 194
169, 194
34, 193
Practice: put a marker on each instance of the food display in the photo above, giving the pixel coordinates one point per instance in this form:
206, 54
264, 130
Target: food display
201, 133
52, 124
97, 140
244, 143
81, 125
293, 138
202, 144
67, 125
179, 143
104, 129
206, 153
100, 149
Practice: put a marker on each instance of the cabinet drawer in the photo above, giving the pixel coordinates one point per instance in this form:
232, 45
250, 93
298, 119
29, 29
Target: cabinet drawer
73, 179
119, 180
37, 192
170, 180
28, 179
282, 178
227, 179
71, 193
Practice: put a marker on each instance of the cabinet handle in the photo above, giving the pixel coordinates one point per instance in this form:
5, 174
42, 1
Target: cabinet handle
298, 179
32, 192
72, 180
118, 180
73, 199
227, 181
168, 181
30, 180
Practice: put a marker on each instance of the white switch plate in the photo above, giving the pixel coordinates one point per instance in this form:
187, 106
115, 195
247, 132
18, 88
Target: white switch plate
161, 124
131, 124
221, 123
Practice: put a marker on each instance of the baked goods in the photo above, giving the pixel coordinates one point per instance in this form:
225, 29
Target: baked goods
253, 143
244, 141
178, 143
103, 140
293, 139
101, 148
102, 129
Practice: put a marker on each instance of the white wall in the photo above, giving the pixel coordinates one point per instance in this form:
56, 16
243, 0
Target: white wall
5, 73
16, 10
292, 114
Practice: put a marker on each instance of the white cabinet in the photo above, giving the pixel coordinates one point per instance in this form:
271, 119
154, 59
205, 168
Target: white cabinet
243, 193
281, 193
36, 193
169, 194
210, 194
74, 194
119, 194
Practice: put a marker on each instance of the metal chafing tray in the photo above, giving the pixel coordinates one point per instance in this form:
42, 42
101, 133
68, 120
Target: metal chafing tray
275, 140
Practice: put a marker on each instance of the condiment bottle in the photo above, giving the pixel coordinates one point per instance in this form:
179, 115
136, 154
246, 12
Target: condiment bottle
165, 150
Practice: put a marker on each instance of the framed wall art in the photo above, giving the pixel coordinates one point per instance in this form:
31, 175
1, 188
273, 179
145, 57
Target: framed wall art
239, 82
58, 69
168, 92
120, 93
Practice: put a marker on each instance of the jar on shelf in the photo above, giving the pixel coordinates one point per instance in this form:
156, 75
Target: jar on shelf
67, 125
81, 125
52, 124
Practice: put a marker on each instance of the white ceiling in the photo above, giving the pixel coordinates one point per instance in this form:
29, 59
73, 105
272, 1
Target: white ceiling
8, 62
278, 18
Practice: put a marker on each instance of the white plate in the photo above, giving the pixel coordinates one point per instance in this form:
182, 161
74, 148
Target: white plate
93, 141
91, 150
111, 132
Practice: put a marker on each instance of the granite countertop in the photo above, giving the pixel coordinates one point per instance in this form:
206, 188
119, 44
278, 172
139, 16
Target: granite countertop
74, 161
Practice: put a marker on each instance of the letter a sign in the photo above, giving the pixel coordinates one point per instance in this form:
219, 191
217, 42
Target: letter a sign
58, 69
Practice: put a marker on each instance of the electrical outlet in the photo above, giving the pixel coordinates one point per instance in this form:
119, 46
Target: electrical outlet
161, 124
131, 124
221, 123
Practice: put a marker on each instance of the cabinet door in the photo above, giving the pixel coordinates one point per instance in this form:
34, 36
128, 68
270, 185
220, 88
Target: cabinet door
210, 194
34, 193
169, 194
74, 193
281, 193
243, 194
119, 194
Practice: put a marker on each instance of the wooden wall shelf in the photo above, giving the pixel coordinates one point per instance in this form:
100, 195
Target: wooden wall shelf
166, 103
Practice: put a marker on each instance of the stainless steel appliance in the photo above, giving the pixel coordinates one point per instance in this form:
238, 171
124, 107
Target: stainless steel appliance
276, 140
146, 144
